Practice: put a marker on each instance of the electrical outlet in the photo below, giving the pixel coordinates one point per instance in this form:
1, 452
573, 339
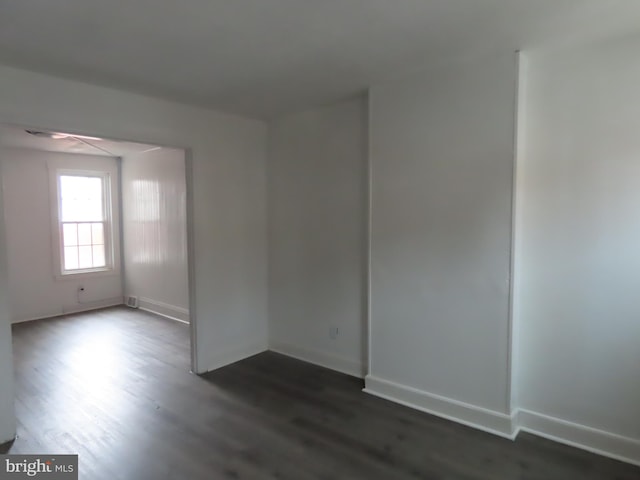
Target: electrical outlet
334, 332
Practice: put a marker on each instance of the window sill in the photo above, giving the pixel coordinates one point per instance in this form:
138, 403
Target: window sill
85, 274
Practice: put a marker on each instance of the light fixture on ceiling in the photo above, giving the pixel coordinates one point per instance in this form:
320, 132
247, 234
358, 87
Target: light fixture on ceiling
59, 135
152, 149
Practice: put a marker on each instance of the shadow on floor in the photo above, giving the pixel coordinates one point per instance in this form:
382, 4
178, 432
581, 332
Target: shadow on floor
5, 447
113, 387
291, 410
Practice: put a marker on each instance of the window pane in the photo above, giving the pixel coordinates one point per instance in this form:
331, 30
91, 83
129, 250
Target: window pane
98, 256
97, 233
84, 234
70, 258
81, 198
84, 257
82, 215
70, 234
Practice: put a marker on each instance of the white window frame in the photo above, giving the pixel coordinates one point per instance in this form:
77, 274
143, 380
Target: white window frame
108, 229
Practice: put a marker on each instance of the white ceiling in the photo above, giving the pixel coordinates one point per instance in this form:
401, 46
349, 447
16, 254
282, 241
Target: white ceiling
16, 137
265, 57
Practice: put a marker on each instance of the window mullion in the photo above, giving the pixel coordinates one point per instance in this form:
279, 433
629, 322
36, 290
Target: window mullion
93, 263
77, 246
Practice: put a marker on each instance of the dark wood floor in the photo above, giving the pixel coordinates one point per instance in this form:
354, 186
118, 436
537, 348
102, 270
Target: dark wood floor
113, 386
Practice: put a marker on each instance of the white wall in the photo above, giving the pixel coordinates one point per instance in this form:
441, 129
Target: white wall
154, 231
441, 165
7, 418
317, 167
35, 291
578, 262
229, 194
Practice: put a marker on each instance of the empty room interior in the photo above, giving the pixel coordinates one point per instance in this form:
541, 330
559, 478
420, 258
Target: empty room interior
272, 239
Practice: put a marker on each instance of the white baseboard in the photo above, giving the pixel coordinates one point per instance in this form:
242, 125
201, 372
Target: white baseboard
473, 416
580, 436
228, 356
164, 309
317, 357
37, 317
587, 438
70, 309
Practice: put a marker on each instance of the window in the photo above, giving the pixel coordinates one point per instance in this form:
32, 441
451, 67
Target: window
84, 222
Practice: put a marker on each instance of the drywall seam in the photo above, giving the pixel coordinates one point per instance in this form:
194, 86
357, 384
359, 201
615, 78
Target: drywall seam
516, 216
368, 231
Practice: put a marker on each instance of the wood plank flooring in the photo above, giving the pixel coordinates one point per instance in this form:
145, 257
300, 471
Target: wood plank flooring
114, 387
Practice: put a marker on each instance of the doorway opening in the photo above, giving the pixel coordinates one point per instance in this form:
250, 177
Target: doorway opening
93, 223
